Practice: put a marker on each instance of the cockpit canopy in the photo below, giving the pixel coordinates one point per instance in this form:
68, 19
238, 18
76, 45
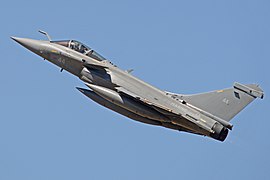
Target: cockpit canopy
80, 47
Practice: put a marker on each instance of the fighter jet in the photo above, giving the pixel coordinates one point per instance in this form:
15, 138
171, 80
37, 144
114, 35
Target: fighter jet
207, 114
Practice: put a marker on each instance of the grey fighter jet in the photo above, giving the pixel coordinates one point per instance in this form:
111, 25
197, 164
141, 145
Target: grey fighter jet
206, 114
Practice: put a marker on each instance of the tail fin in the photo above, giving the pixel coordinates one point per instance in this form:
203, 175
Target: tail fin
225, 103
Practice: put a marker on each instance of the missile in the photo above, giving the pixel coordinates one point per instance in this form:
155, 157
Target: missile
128, 103
100, 100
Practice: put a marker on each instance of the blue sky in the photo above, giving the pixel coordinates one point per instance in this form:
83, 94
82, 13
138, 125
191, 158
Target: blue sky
49, 130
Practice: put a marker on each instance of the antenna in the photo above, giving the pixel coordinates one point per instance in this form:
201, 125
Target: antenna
46, 34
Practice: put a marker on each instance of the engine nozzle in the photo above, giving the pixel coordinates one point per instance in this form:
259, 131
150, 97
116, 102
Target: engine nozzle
220, 133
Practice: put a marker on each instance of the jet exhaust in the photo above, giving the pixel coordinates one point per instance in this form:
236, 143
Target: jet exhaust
220, 133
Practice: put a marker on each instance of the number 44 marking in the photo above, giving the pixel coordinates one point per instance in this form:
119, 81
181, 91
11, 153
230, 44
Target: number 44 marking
226, 101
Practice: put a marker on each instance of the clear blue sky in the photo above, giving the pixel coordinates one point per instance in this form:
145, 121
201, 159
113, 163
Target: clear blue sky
49, 130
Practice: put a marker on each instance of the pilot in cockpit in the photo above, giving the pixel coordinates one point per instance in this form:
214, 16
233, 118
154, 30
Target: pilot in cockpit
76, 46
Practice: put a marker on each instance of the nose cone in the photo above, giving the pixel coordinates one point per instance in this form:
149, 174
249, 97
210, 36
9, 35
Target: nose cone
31, 44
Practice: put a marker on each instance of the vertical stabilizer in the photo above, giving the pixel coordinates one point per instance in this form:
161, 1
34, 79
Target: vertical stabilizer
225, 103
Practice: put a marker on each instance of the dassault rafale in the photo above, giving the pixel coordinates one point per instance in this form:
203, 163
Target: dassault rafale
206, 114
